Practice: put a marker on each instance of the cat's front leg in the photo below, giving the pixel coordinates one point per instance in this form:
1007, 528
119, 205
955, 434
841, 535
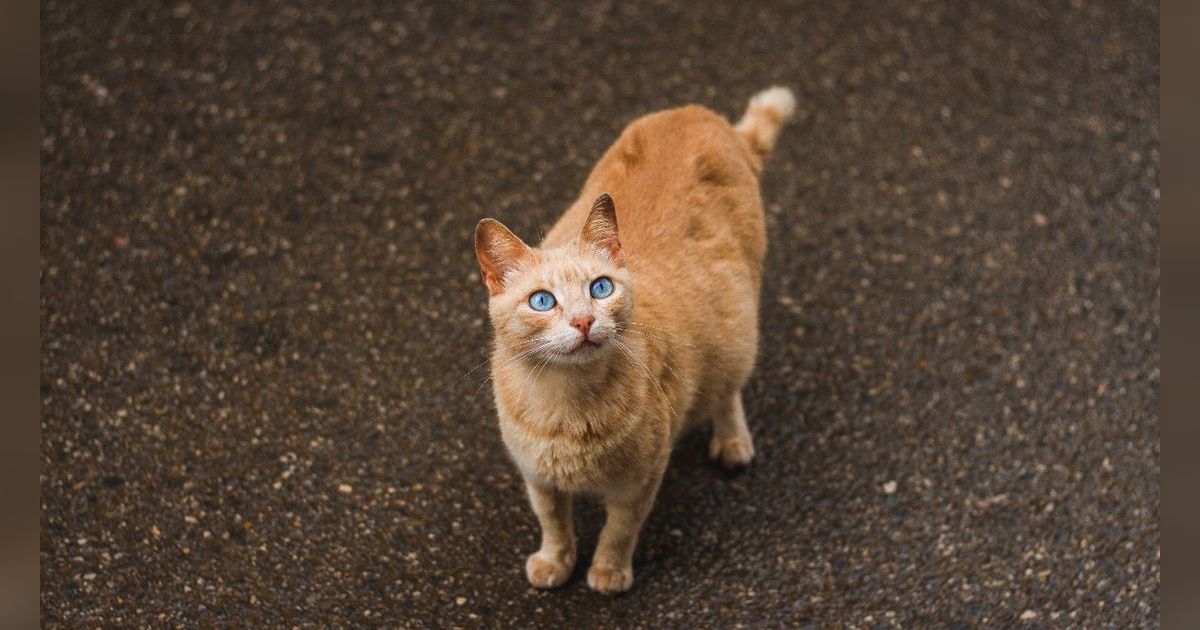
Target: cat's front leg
552, 564
612, 565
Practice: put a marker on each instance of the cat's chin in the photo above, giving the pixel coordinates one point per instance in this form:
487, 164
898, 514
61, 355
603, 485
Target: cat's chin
584, 353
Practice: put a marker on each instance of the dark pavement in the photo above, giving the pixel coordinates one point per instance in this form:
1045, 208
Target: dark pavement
259, 289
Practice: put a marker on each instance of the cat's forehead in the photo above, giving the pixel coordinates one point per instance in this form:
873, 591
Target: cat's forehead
568, 264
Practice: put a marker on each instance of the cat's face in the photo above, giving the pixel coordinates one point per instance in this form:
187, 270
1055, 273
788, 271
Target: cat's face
564, 305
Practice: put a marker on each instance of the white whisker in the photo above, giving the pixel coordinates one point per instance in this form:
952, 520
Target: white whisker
535, 374
510, 361
468, 372
653, 336
645, 368
676, 338
488, 359
668, 364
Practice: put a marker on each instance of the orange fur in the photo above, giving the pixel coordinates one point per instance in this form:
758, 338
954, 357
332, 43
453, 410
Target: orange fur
684, 230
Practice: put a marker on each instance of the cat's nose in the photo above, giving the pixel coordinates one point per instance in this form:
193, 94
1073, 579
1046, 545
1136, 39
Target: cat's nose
582, 323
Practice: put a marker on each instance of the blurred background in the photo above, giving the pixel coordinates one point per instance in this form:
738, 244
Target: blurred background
258, 293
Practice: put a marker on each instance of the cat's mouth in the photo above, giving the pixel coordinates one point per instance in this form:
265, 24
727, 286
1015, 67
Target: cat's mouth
584, 345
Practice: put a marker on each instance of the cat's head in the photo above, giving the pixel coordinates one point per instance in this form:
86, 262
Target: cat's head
565, 305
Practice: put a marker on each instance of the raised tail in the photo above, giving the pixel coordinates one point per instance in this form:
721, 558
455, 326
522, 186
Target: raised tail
764, 118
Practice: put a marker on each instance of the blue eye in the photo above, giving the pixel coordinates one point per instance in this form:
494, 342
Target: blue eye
601, 288
541, 301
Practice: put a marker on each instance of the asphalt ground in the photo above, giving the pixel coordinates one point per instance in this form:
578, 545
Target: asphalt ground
259, 292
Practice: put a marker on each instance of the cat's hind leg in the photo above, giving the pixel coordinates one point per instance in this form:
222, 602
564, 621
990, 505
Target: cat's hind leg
731, 443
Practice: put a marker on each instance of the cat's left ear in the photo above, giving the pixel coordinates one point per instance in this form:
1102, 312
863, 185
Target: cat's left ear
600, 229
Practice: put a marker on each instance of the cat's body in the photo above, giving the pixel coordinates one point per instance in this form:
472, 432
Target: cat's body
593, 392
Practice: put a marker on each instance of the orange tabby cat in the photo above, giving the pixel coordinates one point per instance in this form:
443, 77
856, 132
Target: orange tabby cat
592, 386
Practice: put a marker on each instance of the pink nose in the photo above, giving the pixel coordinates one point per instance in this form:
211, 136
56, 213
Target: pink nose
582, 323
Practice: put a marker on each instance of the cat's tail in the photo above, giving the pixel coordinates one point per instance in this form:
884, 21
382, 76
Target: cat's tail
764, 118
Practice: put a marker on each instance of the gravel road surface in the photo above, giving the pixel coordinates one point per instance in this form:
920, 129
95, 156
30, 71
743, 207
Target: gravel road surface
259, 292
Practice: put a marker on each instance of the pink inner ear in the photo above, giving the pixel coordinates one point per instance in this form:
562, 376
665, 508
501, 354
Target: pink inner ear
489, 280
613, 247
495, 265
499, 251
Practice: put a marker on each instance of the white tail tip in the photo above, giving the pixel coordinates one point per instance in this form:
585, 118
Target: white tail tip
777, 99
764, 118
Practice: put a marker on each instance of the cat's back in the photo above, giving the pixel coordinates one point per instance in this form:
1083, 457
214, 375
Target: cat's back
686, 192
689, 215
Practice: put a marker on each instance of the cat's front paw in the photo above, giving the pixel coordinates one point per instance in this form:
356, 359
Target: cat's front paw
732, 453
546, 571
608, 580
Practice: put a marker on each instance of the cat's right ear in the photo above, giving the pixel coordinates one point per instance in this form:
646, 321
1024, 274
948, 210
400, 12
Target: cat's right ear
600, 229
499, 252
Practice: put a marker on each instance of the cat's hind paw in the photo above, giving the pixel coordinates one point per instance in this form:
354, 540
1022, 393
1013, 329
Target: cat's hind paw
609, 581
732, 453
544, 571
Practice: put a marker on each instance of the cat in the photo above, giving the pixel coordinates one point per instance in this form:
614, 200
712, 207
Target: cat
592, 387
